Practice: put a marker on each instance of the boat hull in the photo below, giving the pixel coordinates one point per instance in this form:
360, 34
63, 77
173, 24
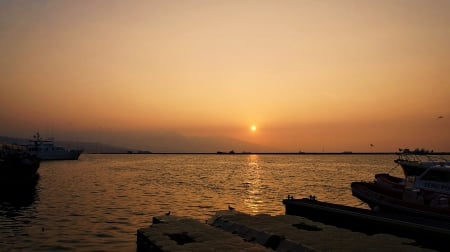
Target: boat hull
394, 184
408, 202
412, 168
59, 155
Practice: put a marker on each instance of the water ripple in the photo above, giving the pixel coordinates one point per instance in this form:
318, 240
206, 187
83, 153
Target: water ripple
98, 202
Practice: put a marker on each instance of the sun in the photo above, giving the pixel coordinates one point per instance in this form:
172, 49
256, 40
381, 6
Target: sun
253, 128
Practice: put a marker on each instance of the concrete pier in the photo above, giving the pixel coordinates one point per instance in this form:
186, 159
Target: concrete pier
235, 231
171, 233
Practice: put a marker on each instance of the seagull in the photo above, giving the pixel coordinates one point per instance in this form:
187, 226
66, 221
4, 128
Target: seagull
440, 117
168, 213
230, 207
371, 145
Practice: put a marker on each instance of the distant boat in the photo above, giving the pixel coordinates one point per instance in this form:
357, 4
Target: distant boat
18, 168
47, 150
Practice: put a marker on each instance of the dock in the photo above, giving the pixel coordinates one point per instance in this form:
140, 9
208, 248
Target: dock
236, 231
426, 232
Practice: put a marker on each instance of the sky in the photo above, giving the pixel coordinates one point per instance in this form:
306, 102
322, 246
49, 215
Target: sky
309, 75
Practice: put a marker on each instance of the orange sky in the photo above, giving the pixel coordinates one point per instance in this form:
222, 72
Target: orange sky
312, 75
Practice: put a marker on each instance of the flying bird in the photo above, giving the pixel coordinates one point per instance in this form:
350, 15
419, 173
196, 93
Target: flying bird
440, 117
371, 145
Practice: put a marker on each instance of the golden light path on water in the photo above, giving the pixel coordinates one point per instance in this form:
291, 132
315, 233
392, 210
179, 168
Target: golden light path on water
253, 184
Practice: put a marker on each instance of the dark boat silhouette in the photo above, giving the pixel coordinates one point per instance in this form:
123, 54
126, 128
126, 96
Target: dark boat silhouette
18, 168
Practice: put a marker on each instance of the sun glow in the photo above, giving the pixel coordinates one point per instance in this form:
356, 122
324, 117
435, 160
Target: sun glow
253, 128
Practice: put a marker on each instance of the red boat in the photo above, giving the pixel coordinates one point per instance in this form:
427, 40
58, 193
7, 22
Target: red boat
410, 201
390, 182
433, 179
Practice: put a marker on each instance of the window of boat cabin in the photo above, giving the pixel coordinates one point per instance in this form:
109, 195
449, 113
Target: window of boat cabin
437, 175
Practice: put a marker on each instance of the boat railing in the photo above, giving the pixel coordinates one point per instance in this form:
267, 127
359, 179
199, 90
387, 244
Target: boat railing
422, 156
438, 160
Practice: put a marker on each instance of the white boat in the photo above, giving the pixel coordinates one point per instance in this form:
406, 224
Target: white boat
47, 150
415, 162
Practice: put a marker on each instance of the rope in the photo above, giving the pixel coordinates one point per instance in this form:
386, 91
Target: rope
395, 166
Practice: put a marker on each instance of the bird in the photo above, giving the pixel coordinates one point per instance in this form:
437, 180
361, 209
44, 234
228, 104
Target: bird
230, 207
440, 117
371, 145
168, 213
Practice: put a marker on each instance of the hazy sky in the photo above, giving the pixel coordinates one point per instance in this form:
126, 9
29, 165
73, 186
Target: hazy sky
311, 75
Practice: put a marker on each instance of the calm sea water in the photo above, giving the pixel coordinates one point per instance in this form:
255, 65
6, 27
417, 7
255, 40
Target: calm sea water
98, 202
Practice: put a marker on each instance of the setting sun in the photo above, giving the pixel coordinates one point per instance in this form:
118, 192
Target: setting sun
259, 76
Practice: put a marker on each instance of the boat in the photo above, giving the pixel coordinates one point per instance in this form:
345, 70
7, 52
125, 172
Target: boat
433, 180
47, 150
415, 162
390, 182
427, 193
424, 191
18, 168
410, 202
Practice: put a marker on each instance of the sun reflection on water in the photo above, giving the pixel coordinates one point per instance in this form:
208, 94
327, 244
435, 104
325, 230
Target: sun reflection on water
253, 184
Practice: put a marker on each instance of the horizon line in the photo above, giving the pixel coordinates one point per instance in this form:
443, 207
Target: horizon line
264, 153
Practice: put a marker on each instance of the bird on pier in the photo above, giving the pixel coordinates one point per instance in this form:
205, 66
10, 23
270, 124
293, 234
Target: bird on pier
230, 207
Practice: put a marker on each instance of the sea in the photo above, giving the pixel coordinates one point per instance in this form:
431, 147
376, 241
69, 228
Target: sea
97, 203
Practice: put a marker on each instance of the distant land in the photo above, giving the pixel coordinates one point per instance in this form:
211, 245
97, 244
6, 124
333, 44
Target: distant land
157, 142
87, 147
207, 147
